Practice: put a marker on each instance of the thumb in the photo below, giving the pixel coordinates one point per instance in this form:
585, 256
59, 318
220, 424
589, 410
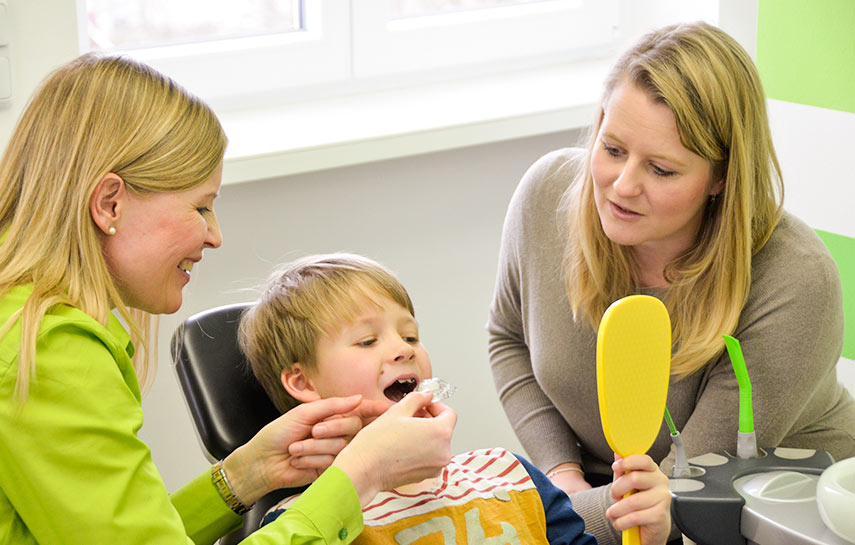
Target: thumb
412, 403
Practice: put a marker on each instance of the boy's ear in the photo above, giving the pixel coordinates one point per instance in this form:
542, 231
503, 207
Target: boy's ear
107, 201
298, 384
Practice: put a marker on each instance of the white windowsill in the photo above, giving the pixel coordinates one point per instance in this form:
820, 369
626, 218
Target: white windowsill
272, 142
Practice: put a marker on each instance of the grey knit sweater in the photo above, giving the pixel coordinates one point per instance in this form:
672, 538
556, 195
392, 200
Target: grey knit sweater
543, 363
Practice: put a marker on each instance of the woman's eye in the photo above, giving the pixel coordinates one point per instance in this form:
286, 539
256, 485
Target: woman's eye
203, 210
613, 151
661, 172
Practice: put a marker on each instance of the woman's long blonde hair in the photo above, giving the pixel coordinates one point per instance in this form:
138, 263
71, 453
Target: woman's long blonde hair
711, 85
95, 115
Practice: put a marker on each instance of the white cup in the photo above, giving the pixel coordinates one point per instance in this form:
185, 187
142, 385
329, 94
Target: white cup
835, 498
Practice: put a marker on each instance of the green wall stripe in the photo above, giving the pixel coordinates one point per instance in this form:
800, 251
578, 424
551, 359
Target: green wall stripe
843, 251
805, 51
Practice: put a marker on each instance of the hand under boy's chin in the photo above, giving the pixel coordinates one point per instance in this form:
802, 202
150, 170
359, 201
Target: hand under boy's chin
377, 409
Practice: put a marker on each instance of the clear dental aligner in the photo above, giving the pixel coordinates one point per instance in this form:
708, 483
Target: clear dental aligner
441, 389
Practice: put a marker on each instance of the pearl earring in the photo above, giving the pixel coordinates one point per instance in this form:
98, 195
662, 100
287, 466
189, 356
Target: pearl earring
111, 230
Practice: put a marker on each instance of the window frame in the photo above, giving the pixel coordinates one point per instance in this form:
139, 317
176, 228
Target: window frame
316, 54
548, 31
345, 47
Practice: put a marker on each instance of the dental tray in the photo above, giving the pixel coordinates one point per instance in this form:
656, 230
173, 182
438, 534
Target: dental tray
767, 500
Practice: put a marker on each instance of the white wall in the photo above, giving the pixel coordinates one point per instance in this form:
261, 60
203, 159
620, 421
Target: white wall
434, 219
812, 168
42, 36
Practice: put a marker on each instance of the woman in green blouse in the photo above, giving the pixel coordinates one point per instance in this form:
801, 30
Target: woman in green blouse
107, 188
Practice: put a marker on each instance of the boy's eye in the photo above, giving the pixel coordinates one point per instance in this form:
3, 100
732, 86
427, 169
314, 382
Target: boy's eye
411, 340
367, 342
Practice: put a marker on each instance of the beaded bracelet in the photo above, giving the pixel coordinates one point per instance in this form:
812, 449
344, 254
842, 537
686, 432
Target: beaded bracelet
563, 469
218, 477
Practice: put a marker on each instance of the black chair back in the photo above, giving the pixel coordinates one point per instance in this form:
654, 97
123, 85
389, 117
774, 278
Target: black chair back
227, 404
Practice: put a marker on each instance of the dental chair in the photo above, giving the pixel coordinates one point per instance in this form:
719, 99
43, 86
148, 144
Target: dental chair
227, 404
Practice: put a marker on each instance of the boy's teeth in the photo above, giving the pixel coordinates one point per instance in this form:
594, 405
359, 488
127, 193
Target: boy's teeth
398, 389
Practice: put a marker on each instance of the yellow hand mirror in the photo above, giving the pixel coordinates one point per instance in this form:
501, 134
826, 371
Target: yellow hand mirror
633, 368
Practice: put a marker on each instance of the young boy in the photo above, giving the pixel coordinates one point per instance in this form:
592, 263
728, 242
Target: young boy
341, 324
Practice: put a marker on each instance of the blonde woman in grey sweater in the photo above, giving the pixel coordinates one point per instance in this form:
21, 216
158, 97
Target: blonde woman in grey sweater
677, 195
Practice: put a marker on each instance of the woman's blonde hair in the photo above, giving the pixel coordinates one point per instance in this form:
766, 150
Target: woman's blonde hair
304, 300
711, 85
95, 115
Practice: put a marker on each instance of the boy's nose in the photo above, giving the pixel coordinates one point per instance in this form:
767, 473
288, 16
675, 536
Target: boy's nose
403, 352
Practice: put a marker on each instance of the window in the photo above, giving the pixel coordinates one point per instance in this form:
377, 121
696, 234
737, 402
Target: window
508, 32
118, 24
255, 51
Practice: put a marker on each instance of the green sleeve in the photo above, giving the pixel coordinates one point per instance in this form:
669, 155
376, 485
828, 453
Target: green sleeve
327, 512
205, 515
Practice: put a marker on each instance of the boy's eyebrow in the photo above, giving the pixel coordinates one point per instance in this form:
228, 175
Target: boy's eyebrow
408, 320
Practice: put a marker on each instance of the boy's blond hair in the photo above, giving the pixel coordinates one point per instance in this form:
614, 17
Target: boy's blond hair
304, 300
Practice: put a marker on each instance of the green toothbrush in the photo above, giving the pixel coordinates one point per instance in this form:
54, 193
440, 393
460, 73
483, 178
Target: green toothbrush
746, 444
681, 464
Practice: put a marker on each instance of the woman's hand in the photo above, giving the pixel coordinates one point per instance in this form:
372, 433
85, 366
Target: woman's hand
296, 447
649, 507
567, 478
332, 434
400, 447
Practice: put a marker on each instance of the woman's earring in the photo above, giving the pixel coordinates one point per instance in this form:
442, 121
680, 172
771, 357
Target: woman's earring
711, 202
111, 230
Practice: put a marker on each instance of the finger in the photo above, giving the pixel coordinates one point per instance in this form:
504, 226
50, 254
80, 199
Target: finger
655, 514
636, 462
645, 499
370, 408
412, 402
345, 426
618, 467
310, 447
443, 412
641, 464
639, 481
435, 409
316, 411
317, 461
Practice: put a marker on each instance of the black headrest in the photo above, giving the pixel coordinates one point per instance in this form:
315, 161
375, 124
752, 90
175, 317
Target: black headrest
227, 404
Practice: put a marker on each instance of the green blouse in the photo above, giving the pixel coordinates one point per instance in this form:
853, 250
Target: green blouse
72, 469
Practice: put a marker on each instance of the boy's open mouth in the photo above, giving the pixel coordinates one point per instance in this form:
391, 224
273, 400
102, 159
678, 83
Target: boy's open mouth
398, 389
